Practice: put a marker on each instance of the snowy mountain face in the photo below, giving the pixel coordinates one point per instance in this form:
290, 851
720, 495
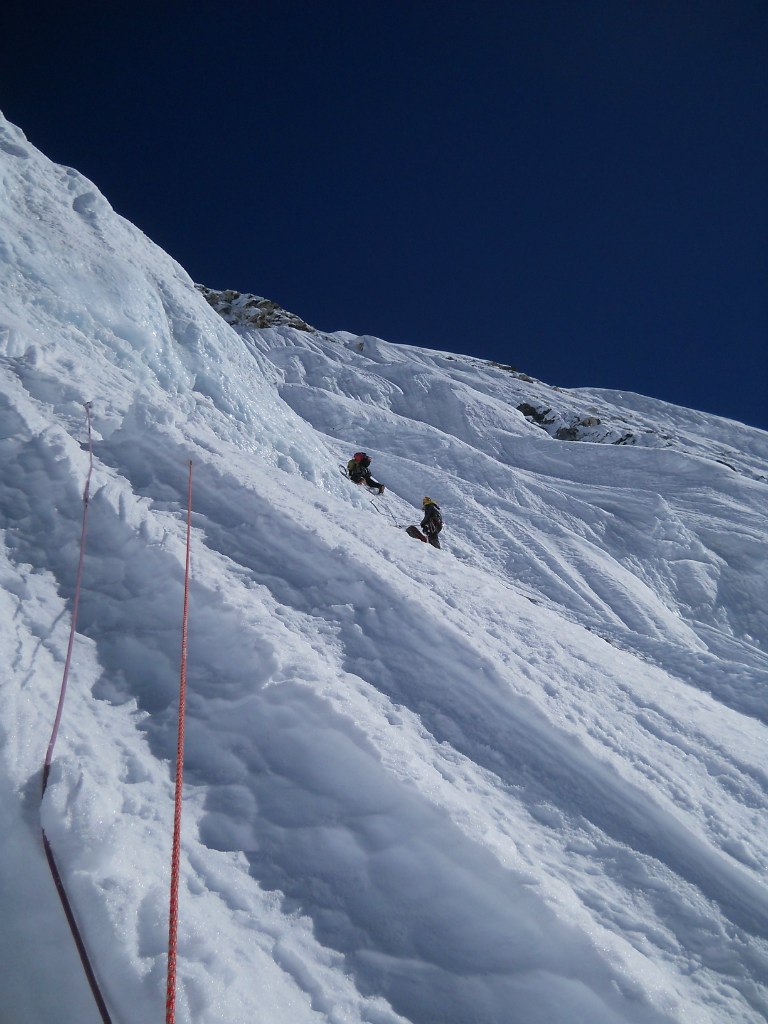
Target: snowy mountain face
519, 780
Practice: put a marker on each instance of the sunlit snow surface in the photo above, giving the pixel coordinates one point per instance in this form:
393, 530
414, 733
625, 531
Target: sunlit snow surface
521, 780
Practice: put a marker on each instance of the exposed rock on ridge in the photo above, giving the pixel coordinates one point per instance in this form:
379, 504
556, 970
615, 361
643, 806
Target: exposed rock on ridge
253, 310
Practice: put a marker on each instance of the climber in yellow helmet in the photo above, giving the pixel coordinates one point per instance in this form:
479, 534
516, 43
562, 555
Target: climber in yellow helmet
432, 523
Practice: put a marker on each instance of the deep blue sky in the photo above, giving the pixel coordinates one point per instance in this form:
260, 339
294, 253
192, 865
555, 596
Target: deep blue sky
579, 189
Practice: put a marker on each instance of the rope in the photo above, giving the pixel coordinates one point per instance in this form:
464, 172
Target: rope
173, 923
66, 905
76, 603
385, 513
76, 933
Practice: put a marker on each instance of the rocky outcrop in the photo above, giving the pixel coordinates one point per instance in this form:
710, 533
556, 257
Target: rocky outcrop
243, 309
573, 426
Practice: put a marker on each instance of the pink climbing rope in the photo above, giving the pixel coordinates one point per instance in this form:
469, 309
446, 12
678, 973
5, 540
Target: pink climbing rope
66, 905
173, 921
75, 605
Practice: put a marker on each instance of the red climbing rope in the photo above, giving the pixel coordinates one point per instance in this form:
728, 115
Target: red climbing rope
66, 905
173, 922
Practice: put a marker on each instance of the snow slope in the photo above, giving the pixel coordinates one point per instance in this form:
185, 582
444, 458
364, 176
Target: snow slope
520, 780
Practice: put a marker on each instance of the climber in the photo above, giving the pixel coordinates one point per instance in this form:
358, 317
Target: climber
432, 523
359, 473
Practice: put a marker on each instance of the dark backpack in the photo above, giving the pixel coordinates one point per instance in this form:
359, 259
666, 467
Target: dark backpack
434, 523
356, 471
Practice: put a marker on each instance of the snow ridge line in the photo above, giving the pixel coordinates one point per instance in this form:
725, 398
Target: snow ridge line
173, 916
57, 880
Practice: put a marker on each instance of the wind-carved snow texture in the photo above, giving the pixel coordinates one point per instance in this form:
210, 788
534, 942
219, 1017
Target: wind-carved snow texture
520, 780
